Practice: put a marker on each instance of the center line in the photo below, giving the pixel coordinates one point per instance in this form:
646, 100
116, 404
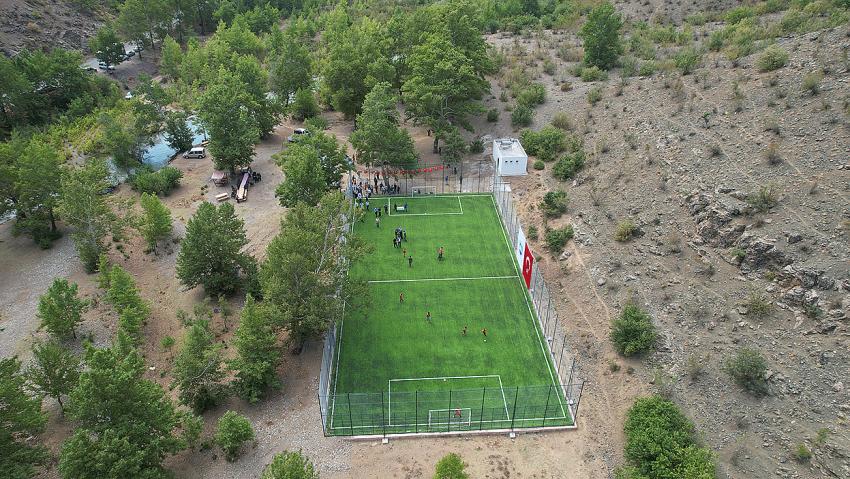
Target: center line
439, 279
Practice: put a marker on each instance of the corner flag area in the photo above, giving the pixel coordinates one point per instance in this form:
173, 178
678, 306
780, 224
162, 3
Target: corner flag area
445, 344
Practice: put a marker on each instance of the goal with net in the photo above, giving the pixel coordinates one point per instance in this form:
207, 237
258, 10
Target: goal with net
423, 190
461, 416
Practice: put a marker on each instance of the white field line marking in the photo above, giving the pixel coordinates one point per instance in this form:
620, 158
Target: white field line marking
525, 294
433, 196
390, 391
553, 418
468, 418
460, 204
437, 279
390, 206
505, 401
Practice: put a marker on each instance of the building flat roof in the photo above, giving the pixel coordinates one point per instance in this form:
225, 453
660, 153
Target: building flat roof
508, 147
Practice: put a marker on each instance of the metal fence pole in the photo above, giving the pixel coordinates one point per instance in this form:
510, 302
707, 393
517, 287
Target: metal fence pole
516, 400
416, 411
561, 358
483, 397
449, 420
548, 310
350, 414
546, 409
383, 418
575, 411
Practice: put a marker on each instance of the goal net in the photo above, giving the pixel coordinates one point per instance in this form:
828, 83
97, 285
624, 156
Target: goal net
461, 416
423, 190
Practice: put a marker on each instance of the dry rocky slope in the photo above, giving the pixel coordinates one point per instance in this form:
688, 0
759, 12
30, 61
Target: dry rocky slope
44, 24
681, 157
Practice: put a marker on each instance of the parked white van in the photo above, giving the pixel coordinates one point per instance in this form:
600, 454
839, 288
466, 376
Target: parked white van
196, 152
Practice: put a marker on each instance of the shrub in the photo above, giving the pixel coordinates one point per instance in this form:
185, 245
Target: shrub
763, 200
522, 116
568, 165
802, 453
316, 123
290, 465
476, 145
687, 60
534, 94
660, 443
773, 58
566, 86
811, 83
757, 303
633, 332
556, 238
545, 143
451, 466
233, 431
748, 368
562, 120
549, 67
554, 203
737, 14
626, 230
539, 165
493, 115
647, 69
593, 73
532, 232
161, 182
594, 95
304, 105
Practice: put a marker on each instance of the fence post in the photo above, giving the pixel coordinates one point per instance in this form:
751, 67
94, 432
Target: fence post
516, 399
416, 410
548, 310
575, 412
561, 357
350, 414
449, 420
322, 415
383, 418
481, 418
546, 409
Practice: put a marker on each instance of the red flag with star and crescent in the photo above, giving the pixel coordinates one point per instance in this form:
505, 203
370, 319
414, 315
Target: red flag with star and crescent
527, 263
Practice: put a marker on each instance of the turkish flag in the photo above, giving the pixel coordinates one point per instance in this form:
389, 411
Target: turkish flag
527, 263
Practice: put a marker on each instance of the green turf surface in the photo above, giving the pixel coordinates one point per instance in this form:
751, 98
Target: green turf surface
407, 374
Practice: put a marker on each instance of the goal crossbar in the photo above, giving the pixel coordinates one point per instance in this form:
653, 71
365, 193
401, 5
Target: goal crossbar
454, 416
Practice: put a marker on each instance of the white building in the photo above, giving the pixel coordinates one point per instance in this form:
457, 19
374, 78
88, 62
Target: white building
510, 157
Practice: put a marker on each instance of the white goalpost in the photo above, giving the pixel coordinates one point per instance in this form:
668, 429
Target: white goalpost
461, 416
423, 190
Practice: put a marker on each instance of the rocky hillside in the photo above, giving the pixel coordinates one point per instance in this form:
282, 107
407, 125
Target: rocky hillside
737, 184
42, 24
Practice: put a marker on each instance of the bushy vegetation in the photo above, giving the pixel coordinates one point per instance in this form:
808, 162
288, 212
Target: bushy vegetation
556, 238
568, 165
554, 203
593, 73
748, 368
532, 95
687, 60
594, 95
601, 35
545, 143
233, 431
626, 230
661, 442
522, 116
773, 58
633, 332
290, 465
160, 182
451, 466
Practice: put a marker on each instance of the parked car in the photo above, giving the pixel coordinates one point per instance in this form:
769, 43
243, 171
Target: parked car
129, 95
131, 54
297, 135
89, 69
196, 152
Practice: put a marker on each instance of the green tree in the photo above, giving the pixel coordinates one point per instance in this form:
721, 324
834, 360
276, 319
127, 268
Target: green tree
197, 368
22, 419
451, 466
226, 113
177, 132
378, 139
143, 21
290, 465
84, 209
308, 285
210, 254
123, 140
633, 332
60, 310
155, 223
454, 146
304, 179
601, 35
332, 155
290, 68
36, 191
267, 109
107, 46
54, 371
233, 431
257, 352
123, 293
444, 86
171, 58
17, 98
127, 424
304, 105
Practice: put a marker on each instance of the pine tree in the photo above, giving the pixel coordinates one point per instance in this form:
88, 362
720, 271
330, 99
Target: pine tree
54, 371
156, 222
197, 368
257, 351
172, 57
210, 254
21, 418
103, 271
60, 310
122, 293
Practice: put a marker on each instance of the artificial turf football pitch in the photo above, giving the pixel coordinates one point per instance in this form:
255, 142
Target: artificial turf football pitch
397, 372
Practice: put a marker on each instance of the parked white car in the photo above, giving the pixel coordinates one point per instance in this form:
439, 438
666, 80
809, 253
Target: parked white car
196, 152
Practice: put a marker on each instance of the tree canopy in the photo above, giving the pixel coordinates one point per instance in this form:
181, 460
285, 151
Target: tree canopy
22, 419
601, 35
379, 140
226, 110
60, 310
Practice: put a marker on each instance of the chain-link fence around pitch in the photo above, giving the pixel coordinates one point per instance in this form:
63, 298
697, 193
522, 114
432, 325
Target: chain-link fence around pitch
488, 406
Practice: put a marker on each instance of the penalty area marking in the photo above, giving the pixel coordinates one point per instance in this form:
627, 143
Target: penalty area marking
438, 279
444, 378
390, 206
